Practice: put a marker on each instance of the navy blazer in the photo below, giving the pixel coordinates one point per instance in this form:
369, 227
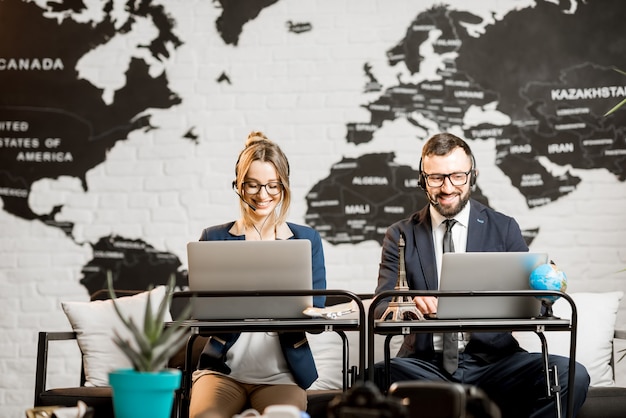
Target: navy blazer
488, 230
294, 345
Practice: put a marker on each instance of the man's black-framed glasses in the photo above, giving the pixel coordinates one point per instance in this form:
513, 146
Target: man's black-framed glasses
458, 178
272, 188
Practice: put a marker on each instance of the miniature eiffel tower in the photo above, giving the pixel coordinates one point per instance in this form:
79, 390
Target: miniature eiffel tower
401, 307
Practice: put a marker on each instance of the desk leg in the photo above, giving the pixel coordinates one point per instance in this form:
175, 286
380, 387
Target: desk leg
185, 395
552, 379
387, 371
346, 359
572, 370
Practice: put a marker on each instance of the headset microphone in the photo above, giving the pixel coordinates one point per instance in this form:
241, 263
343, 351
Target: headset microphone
242, 199
430, 198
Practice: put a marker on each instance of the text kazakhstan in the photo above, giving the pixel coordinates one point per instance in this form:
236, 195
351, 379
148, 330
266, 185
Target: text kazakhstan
589, 93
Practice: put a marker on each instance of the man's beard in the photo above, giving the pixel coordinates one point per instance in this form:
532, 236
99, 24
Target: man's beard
451, 212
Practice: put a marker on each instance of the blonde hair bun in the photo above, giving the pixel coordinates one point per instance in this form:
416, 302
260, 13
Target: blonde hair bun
256, 136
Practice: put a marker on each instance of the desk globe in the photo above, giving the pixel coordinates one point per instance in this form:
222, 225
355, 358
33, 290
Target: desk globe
548, 277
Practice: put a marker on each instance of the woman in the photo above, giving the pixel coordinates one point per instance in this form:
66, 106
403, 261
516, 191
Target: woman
253, 370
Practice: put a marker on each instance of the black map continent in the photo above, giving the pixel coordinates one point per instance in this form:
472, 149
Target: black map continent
530, 62
363, 196
133, 264
235, 14
65, 129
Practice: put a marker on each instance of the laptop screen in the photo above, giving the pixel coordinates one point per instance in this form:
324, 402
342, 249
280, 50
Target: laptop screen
503, 271
250, 265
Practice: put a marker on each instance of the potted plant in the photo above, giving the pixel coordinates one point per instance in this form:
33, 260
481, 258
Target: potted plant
620, 104
147, 390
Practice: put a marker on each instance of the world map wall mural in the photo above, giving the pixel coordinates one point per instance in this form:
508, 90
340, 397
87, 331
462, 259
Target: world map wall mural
553, 110
545, 72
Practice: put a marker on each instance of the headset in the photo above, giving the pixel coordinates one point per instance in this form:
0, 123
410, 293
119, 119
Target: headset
421, 179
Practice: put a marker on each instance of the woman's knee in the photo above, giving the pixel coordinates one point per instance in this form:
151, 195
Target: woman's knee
214, 396
266, 395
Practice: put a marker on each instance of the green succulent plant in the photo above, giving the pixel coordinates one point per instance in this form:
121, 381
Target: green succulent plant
153, 344
620, 104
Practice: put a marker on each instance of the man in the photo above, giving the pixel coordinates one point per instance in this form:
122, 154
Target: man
512, 377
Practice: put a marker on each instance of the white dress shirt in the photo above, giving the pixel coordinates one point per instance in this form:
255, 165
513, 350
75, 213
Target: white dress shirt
459, 237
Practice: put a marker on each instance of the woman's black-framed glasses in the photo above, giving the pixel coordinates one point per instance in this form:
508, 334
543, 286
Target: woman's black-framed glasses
272, 188
457, 179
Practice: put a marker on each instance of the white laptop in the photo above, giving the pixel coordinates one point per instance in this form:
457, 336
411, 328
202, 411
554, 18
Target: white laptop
501, 271
250, 265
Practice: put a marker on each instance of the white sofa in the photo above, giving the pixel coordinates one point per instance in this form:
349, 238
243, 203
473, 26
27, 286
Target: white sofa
596, 321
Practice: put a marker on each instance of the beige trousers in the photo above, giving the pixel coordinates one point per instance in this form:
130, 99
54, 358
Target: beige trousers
219, 396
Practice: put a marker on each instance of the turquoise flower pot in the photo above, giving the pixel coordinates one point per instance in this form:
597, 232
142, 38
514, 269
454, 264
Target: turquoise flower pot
144, 394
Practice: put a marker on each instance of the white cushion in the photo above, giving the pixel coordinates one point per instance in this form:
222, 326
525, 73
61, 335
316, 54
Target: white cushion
597, 313
328, 353
94, 324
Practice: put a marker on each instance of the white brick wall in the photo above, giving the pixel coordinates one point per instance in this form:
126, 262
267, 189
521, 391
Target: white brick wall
301, 90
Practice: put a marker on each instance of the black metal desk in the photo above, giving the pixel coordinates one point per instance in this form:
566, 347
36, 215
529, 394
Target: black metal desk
312, 325
537, 325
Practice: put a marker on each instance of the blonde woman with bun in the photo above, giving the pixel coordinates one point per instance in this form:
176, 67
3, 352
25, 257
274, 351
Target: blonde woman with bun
254, 370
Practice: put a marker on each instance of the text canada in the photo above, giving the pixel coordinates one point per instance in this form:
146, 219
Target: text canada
31, 64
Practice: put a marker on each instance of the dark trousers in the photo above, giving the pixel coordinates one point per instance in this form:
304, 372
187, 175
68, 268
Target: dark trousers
516, 383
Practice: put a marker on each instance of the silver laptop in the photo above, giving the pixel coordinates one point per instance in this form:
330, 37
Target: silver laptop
250, 265
502, 271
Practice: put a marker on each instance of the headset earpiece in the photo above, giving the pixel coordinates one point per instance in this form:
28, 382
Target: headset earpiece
473, 172
421, 181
